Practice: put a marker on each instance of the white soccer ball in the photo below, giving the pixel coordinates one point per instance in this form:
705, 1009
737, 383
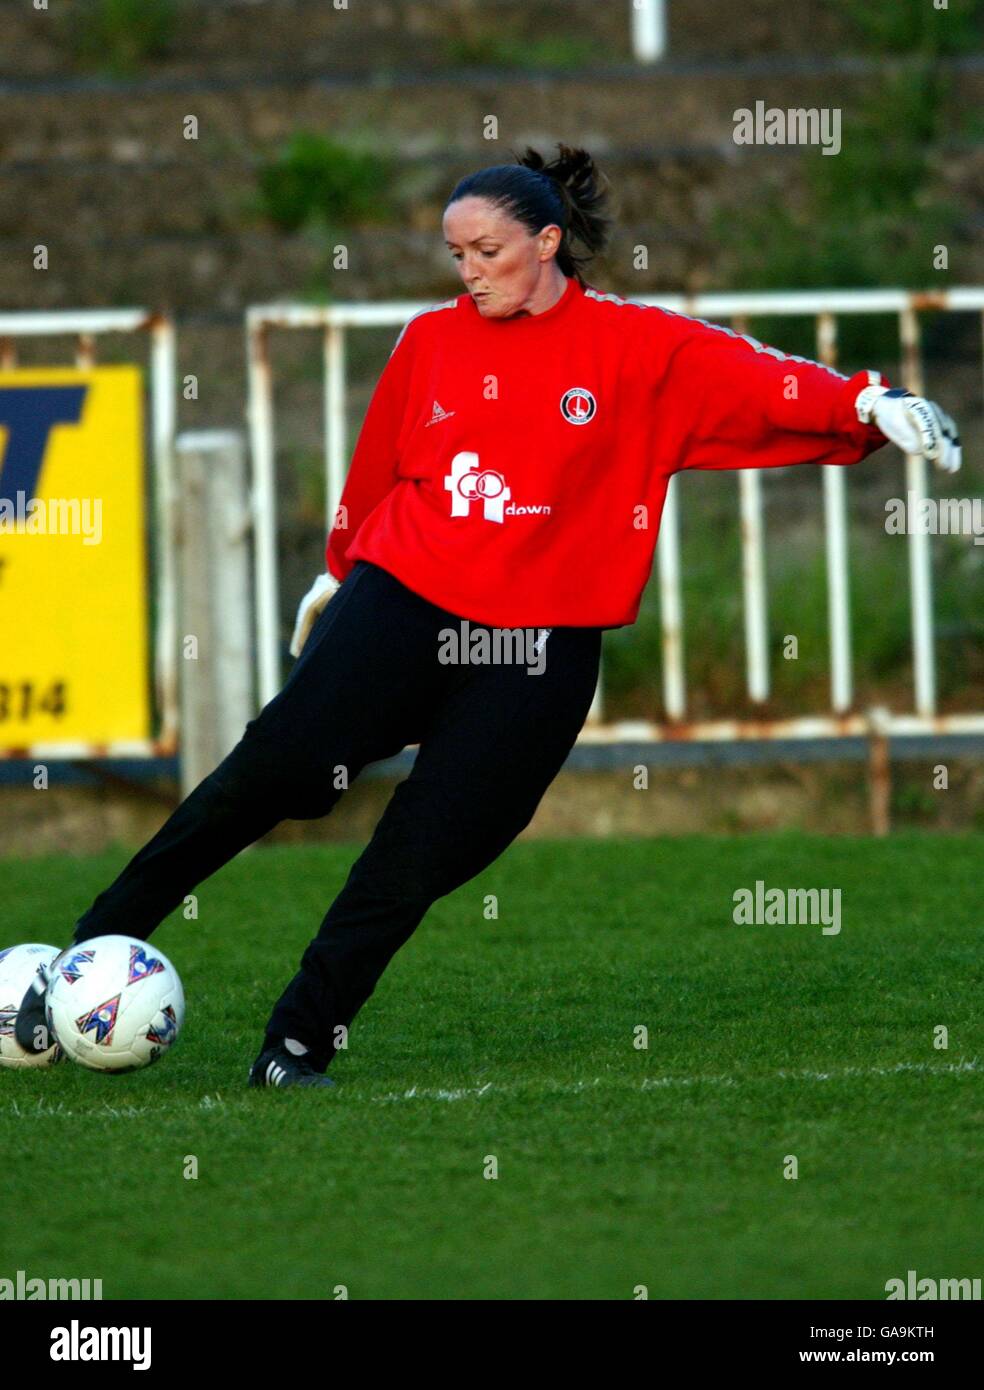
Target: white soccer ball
18, 967
115, 1003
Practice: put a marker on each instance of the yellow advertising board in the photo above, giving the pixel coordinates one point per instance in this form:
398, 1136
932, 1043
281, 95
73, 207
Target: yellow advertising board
73, 570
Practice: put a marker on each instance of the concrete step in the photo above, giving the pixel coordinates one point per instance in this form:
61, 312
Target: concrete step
226, 273
603, 109
200, 272
254, 38
673, 188
196, 193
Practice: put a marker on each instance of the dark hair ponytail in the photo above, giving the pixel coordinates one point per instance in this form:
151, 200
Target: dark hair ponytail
569, 191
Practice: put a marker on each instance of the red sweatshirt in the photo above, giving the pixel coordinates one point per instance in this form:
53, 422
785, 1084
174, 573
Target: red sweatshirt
513, 471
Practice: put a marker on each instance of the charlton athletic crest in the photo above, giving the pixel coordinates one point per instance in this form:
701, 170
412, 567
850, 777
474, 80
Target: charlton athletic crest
578, 406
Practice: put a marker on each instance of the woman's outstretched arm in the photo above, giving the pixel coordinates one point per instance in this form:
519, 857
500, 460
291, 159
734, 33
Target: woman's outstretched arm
733, 402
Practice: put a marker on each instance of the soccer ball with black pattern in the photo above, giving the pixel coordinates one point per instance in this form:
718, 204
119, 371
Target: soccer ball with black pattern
18, 967
114, 1004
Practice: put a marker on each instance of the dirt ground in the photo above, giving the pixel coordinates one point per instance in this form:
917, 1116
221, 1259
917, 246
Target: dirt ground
831, 798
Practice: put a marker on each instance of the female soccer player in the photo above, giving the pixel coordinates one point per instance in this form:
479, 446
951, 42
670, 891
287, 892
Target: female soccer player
509, 477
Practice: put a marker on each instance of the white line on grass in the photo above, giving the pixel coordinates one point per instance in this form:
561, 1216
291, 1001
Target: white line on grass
42, 1106
654, 1082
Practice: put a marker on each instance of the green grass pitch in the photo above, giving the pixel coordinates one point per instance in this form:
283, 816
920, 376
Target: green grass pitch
513, 1038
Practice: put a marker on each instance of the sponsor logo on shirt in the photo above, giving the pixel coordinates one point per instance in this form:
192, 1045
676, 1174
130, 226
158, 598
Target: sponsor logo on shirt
437, 415
468, 482
578, 405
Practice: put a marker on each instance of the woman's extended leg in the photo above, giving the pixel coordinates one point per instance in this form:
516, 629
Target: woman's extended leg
350, 699
494, 744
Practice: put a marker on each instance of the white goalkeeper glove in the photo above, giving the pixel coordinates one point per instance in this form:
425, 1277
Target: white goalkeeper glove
310, 609
916, 425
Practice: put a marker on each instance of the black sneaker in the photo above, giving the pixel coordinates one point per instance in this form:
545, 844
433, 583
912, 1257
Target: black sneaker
31, 1023
278, 1067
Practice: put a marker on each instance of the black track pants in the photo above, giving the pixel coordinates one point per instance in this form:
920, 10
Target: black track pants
368, 683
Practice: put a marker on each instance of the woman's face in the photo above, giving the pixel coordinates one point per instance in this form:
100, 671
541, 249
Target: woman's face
501, 263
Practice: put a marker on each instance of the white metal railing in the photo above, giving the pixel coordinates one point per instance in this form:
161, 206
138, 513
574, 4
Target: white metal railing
824, 307
648, 29
86, 325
